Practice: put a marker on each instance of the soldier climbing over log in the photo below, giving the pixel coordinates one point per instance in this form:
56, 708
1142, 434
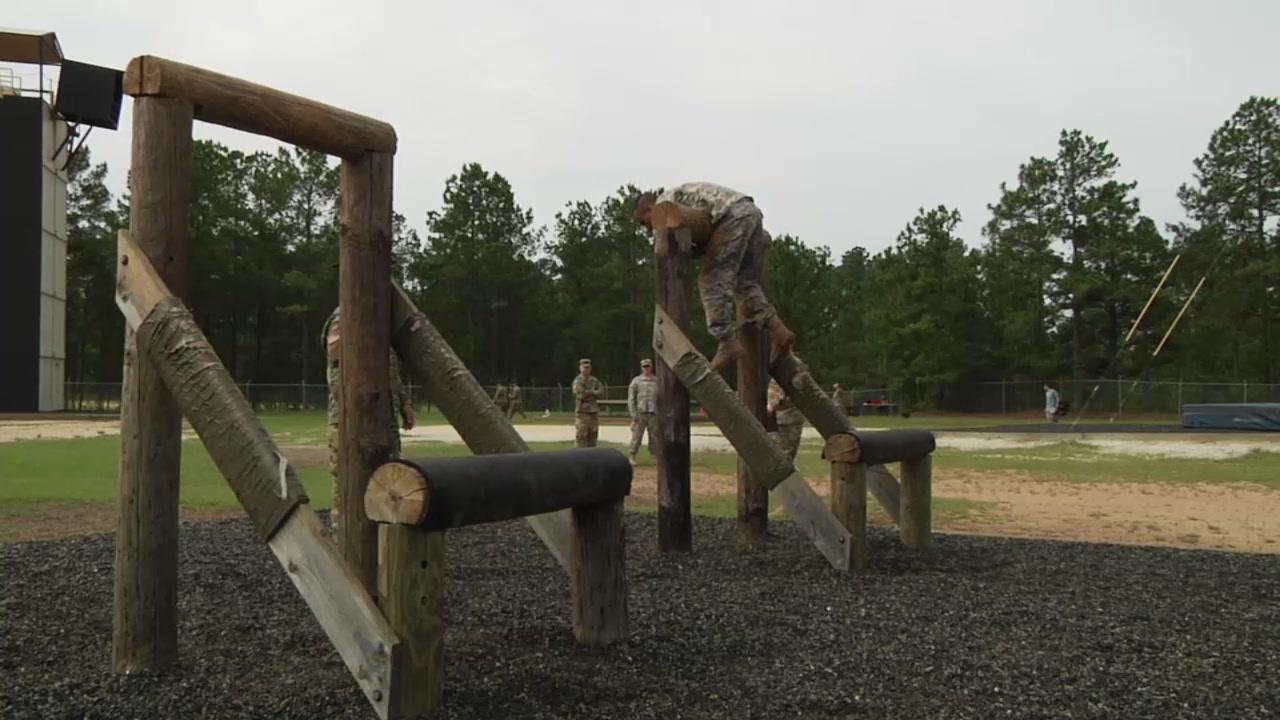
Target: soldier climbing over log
730, 240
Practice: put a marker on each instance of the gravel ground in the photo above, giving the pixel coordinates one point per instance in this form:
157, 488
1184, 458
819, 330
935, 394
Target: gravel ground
983, 628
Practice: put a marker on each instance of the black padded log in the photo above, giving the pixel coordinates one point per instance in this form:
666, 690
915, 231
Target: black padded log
448, 492
880, 447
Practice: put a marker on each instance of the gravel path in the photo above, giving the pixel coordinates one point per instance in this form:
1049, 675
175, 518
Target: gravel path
985, 628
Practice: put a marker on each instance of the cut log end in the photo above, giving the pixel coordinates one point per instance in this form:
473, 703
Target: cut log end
397, 493
842, 448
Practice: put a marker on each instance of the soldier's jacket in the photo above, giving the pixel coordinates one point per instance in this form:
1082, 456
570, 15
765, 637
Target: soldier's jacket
642, 395
715, 199
329, 336
500, 395
514, 393
586, 391
786, 411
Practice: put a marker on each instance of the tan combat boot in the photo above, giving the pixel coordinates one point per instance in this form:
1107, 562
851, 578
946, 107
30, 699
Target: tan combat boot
781, 339
728, 351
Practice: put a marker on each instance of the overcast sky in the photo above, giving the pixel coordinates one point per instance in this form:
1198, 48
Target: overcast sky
841, 118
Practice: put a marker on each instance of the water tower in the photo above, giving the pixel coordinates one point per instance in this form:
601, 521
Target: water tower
38, 130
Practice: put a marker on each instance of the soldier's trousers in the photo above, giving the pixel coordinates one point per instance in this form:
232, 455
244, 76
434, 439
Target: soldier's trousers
788, 438
334, 512
735, 258
640, 424
586, 429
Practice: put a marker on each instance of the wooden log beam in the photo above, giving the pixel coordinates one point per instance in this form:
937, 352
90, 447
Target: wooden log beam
225, 422
235, 103
747, 435
364, 296
481, 425
411, 593
849, 493
599, 574
673, 216
673, 458
449, 492
879, 447
828, 420
145, 613
753, 389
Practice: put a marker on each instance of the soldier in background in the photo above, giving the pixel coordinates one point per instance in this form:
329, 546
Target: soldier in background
501, 399
788, 419
401, 403
587, 390
642, 404
838, 397
516, 402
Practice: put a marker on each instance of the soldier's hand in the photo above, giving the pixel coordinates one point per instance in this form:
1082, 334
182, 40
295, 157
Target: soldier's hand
408, 418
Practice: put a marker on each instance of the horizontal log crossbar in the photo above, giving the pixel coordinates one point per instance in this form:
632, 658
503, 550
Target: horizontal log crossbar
243, 105
438, 493
879, 447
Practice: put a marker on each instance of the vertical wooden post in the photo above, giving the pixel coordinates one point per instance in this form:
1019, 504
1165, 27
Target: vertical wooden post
916, 523
753, 389
598, 572
675, 513
849, 504
145, 622
411, 593
364, 293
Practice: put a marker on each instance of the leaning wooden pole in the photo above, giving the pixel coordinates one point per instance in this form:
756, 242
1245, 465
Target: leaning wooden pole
262, 479
145, 633
753, 389
769, 464
675, 510
829, 420
467, 407
364, 294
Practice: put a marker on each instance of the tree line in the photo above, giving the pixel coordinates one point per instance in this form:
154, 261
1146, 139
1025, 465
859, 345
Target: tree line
1066, 264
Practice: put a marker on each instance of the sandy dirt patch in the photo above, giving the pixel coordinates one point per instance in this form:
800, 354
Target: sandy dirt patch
52, 520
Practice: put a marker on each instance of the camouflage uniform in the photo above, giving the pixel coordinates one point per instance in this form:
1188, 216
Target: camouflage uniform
500, 398
738, 244
838, 397
516, 402
790, 420
399, 398
587, 389
642, 404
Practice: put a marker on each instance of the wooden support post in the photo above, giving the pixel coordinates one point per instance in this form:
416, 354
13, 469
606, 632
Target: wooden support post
599, 574
675, 510
145, 632
411, 592
467, 407
916, 526
828, 420
849, 494
753, 389
364, 294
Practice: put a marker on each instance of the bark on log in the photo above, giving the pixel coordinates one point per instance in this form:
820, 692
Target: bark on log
145, 614
753, 389
675, 508
828, 420
599, 574
364, 292
467, 407
748, 436
235, 103
460, 491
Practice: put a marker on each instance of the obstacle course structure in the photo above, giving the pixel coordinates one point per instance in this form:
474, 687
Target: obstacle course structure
683, 371
172, 371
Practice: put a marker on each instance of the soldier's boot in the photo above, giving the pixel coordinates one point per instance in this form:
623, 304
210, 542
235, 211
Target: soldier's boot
728, 351
781, 339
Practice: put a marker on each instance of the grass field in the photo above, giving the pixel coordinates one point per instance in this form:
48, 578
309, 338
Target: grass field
1017, 489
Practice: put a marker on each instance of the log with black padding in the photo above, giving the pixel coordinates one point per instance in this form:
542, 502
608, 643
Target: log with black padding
884, 446
438, 493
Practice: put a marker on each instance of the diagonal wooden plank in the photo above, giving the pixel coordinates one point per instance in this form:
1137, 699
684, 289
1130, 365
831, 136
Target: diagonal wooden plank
769, 465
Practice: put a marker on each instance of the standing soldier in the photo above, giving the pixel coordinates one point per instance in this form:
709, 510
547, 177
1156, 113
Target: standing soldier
642, 404
501, 399
516, 402
789, 420
837, 397
587, 390
401, 405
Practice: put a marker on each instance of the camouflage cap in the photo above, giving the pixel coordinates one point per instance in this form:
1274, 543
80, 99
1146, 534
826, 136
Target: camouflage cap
646, 363
584, 361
